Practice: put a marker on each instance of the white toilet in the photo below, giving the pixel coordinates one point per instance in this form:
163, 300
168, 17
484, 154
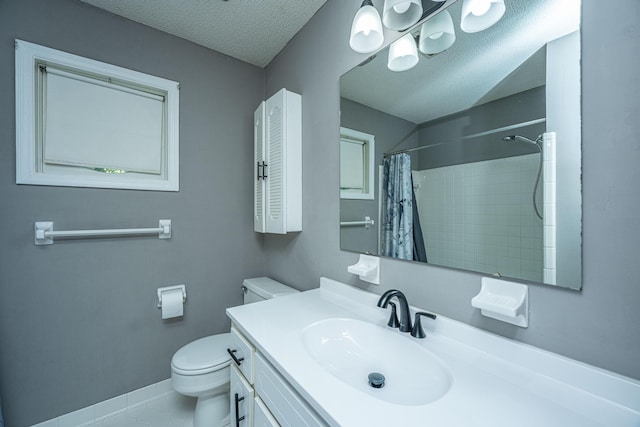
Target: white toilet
201, 368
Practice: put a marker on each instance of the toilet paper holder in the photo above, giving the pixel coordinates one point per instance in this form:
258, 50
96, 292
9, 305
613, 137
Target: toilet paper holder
171, 288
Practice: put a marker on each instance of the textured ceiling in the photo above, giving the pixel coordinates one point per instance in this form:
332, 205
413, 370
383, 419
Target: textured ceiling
249, 30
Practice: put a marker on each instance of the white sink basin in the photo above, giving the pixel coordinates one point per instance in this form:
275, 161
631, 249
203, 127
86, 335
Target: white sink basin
351, 349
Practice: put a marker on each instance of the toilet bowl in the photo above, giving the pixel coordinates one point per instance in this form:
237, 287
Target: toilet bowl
201, 368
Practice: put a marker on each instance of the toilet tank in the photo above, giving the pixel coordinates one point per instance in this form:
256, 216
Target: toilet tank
264, 288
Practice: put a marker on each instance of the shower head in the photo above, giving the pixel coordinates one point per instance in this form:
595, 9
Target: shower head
522, 139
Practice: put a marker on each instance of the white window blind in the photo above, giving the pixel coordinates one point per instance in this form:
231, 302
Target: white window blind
352, 165
98, 124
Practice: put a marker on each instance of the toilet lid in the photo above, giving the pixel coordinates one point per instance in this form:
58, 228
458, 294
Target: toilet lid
203, 355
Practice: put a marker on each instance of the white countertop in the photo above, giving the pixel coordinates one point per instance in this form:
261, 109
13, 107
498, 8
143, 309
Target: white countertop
496, 381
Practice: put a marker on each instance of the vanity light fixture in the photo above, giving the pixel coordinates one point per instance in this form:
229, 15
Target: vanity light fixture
403, 54
437, 34
401, 14
478, 15
366, 30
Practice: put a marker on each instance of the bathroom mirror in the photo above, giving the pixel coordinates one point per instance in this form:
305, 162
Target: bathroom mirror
357, 164
477, 148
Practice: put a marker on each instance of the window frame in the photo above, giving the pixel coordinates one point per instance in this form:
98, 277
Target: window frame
368, 164
30, 166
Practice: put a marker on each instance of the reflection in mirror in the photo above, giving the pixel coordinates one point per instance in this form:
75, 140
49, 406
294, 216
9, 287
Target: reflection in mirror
356, 164
478, 147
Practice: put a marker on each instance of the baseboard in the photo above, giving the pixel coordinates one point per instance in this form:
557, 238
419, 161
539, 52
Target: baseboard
111, 407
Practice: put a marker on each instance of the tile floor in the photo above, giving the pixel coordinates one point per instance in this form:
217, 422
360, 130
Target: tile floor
170, 410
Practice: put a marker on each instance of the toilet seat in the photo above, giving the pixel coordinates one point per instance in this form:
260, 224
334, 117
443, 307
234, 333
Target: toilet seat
202, 356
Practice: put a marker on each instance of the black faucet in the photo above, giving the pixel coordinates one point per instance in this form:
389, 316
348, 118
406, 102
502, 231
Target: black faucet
417, 331
405, 315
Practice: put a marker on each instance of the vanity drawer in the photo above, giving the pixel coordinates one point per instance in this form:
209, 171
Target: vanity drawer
263, 417
286, 405
241, 400
244, 354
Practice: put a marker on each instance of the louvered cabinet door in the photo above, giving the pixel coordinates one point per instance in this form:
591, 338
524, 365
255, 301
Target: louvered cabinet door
278, 194
276, 172
259, 160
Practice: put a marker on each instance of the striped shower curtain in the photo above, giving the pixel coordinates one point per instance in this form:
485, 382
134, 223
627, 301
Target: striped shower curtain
397, 194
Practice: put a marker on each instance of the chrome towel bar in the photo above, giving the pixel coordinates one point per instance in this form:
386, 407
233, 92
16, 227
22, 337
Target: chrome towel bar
368, 222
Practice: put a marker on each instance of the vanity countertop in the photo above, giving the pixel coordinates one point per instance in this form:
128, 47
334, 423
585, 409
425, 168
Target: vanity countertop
495, 381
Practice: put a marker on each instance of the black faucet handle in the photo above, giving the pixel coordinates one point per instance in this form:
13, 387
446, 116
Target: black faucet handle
393, 319
417, 330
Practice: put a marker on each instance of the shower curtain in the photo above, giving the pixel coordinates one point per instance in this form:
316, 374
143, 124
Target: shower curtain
419, 250
400, 212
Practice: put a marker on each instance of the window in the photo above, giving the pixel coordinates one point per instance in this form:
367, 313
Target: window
357, 152
84, 123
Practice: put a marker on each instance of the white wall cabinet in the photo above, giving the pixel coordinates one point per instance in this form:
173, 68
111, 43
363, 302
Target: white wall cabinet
278, 164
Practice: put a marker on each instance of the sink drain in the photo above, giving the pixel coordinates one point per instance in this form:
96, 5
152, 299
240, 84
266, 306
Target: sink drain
376, 380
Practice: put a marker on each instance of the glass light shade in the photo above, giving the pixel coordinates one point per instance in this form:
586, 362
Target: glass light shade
478, 15
437, 34
403, 54
366, 30
401, 14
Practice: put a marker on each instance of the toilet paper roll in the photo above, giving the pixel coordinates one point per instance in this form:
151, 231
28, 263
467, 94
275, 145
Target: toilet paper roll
172, 304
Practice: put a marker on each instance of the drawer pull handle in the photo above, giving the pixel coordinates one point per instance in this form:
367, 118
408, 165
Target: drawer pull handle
233, 356
237, 401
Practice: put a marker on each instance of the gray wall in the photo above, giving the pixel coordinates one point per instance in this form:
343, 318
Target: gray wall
597, 325
521, 107
78, 321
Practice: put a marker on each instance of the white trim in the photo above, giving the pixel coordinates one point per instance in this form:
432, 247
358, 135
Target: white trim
27, 157
114, 406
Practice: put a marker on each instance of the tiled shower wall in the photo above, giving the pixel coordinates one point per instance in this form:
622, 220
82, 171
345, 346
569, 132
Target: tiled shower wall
479, 216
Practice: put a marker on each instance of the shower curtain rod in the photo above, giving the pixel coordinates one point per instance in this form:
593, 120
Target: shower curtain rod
475, 135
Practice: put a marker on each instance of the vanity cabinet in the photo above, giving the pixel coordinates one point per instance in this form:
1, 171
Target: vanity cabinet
286, 405
260, 396
278, 164
241, 393
241, 399
263, 417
